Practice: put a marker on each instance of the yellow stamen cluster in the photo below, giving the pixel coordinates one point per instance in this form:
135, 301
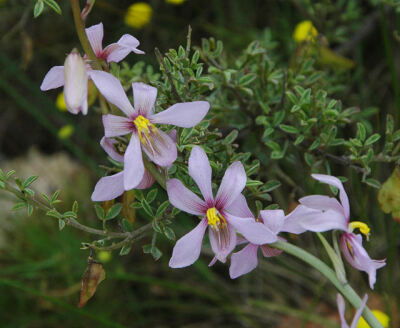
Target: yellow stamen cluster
215, 219
363, 227
143, 126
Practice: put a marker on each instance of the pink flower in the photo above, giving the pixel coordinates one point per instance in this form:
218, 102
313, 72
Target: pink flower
140, 121
220, 214
112, 186
246, 260
57, 76
342, 308
322, 213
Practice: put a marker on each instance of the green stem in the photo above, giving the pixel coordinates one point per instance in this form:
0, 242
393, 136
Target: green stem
344, 289
160, 178
80, 30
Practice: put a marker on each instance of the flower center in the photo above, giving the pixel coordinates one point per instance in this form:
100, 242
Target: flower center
143, 126
363, 227
219, 228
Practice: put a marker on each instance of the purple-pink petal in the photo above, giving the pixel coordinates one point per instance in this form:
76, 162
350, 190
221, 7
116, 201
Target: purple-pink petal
144, 98
273, 219
222, 253
357, 256
270, 251
116, 52
53, 79
147, 181
109, 148
323, 203
108, 188
200, 171
115, 126
324, 221
133, 164
95, 36
359, 312
127, 41
184, 199
185, 115
243, 261
333, 181
161, 149
342, 311
187, 249
232, 184
255, 232
110, 87
239, 208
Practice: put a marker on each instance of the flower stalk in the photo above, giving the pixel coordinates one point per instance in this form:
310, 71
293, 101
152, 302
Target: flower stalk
326, 271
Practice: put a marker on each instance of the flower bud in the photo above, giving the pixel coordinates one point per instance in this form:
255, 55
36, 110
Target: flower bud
76, 83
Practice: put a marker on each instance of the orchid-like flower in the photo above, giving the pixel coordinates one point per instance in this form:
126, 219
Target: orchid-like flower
57, 76
342, 309
140, 122
221, 214
112, 186
246, 260
326, 213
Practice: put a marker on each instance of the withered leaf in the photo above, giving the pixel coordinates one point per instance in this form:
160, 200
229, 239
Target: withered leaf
389, 195
93, 276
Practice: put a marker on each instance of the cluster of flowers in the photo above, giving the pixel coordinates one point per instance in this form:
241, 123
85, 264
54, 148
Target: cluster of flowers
227, 215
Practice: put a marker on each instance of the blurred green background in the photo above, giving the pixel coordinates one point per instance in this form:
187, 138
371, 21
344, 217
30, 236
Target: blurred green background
41, 267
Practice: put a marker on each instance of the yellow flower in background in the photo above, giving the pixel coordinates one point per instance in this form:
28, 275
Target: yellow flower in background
305, 31
60, 101
66, 131
138, 15
382, 318
175, 2
104, 256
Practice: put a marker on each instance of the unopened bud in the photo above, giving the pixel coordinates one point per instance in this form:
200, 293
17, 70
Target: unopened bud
76, 83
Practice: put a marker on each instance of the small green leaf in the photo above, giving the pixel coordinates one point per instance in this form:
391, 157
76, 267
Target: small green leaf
136, 205
299, 140
9, 174
53, 5
151, 196
69, 214
161, 209
278, 118
373, 183
54, 213
271, 185
169, 233
361, 131
288, 128
99, 211
253, 183
19, 206
61, 224
372, 139
2, 185
314, 145
230, 137
125, 250
147, 208
30, 209
247, 79
127, 225
38, 8
75, 207
29, 181
156, 253
147, 248
113, 211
